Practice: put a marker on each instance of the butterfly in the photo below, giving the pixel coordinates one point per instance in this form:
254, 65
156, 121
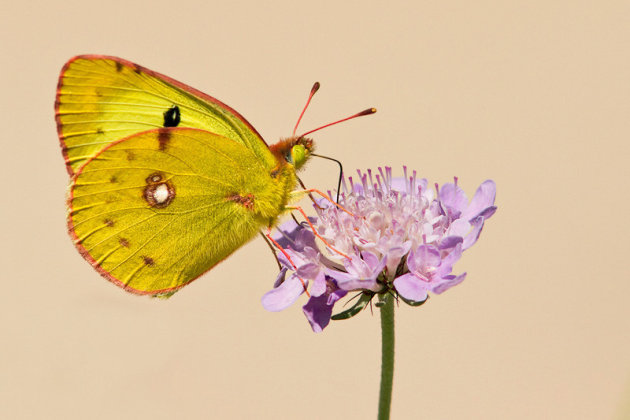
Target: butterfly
166, 181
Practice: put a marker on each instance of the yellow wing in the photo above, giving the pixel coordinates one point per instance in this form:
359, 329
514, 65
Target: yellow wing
154, 211
102, 99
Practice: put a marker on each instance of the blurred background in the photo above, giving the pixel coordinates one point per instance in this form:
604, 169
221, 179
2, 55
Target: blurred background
534, 95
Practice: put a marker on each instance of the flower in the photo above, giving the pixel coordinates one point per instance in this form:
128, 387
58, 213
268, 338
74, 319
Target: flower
401, 237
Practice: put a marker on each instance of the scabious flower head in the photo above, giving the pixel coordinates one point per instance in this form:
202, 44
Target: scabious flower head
402, 237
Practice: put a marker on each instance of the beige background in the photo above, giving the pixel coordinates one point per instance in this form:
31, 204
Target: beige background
534, 95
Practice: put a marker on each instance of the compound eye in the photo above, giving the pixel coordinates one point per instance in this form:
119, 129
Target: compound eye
298, 155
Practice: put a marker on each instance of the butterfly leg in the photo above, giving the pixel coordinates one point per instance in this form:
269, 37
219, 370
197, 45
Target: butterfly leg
310, 195
295, 219
273, 251
326, 197
268, 236
317, 234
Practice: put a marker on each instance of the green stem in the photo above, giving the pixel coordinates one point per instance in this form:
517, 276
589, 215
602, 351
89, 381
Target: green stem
387, 356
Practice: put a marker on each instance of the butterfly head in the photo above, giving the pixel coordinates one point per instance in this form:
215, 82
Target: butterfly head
294, 150
300, 152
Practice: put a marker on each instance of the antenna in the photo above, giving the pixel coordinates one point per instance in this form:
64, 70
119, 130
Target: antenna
368, 111
314, 89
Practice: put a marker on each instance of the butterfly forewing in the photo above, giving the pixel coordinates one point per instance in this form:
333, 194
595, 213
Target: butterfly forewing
154, 211
103, 99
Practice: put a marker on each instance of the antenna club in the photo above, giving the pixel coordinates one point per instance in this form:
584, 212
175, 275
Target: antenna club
315, 88
366, 112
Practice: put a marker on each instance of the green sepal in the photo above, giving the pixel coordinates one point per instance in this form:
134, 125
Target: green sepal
413, 302
355, 309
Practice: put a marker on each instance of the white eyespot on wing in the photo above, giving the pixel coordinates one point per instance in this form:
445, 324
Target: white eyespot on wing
161, 194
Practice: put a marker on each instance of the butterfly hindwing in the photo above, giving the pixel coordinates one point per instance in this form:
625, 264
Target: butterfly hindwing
156, 210
103, 99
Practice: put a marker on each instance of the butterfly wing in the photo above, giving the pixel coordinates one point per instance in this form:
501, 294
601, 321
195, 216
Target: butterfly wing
154, 211
102, 99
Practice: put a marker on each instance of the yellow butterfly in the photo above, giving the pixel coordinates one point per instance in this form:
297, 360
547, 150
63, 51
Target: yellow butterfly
166, 181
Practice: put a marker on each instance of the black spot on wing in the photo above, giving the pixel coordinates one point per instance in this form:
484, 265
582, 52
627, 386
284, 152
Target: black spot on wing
172, 116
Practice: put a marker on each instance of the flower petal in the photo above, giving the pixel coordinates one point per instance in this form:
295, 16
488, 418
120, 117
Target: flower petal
411, 287
473, 235
459, 227
318, 287
349, 281
454, 199
318, 309
366, 268
308, 271
305, 237
450, 242
372, 261
394, 256
281, 276
446, 266
423, 257
285, 233
448, 283
284, 295
483, 199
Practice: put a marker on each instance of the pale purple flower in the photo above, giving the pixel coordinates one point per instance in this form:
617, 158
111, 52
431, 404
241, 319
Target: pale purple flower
402, 237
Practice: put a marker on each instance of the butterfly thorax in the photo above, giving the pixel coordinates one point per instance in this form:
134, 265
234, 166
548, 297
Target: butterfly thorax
269, 202
293, 150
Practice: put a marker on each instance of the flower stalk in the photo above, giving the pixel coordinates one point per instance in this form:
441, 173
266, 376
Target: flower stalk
386, 306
